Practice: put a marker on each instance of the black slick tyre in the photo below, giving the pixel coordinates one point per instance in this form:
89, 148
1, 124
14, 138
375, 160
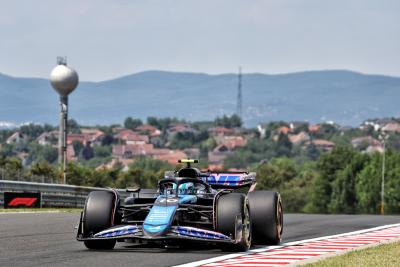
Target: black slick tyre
233, 218
266, 215
98, 215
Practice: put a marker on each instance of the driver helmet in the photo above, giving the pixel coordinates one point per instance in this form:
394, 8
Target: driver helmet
185, 189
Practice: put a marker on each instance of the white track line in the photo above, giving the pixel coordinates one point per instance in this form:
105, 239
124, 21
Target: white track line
230, 256
30, 212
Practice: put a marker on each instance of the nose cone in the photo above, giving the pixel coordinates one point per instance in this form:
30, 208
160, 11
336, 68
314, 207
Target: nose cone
64, 79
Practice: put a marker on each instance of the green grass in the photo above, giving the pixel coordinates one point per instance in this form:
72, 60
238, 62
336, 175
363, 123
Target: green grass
42, 209
382, 255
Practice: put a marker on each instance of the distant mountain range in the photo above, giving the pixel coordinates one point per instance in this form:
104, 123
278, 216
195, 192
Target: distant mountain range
345, 97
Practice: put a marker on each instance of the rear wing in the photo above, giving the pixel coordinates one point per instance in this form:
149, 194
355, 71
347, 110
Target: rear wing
230, 180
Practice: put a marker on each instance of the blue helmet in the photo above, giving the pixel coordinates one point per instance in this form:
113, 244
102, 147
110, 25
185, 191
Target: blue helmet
185, 188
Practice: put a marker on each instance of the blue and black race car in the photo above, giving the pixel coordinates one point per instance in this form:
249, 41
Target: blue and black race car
189, 206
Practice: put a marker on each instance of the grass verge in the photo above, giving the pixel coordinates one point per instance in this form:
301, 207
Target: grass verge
41, 210
382, 255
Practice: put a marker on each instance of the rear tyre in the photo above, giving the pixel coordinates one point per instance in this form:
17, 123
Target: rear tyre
266, 215
97, 216
233, 217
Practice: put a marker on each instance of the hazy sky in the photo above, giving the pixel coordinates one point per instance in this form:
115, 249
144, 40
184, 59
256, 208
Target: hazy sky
107, 39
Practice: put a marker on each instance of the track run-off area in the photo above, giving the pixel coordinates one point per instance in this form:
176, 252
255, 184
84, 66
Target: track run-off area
48, 239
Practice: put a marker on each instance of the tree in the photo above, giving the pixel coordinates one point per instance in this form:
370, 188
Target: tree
328, 165
326, 131
131, 123
296, 192
229, 121
144, 173
31, 130
344, 198
368, 186
12, 168
107, 140
8, 150
182, 140
102, 151
312, 152
44, 170
392, 183
73, 126
162, 123
274, 174
78, 146
78, 174
39, 153
4, 134
87, 152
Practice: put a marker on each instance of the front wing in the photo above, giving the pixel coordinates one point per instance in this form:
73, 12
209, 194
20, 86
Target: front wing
135, 232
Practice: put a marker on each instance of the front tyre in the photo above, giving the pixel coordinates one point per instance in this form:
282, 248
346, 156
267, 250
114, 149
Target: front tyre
233, 219
266, 215
98, 215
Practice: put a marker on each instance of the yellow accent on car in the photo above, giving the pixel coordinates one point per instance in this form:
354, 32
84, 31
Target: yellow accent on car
188, 161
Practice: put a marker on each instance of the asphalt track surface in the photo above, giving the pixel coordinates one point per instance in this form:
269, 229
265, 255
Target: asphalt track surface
48, 239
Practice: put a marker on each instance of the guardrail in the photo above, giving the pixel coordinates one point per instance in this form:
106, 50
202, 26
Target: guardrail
53, 195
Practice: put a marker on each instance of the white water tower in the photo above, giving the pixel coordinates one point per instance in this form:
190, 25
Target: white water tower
64, 80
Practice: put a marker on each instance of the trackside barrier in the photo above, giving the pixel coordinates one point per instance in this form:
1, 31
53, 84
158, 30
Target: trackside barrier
53, 195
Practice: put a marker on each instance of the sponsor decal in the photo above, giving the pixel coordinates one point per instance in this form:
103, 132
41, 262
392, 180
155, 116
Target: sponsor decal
168, 200
160, 216
200, 233
226, 179
118, 231
22, 200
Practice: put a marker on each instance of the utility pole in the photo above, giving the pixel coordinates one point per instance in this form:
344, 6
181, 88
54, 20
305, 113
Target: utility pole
383, 180
383, 137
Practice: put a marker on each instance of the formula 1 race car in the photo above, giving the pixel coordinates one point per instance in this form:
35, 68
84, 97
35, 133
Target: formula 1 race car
188, 206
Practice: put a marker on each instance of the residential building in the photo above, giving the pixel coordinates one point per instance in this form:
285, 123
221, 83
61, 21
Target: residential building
16, 138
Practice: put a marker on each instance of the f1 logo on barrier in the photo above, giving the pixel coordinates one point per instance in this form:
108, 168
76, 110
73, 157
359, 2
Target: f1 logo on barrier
22, 200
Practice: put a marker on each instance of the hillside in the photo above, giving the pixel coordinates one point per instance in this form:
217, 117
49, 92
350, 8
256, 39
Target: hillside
342, 96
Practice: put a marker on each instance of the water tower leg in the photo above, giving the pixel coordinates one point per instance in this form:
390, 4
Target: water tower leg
62, 138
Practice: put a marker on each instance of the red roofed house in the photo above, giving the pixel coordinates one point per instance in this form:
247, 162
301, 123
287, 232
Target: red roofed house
231, 142
220, 131
299, 138
323, 144
114, 162
123, 133
179, 128
132, 138
93, 135
81, 138
392, 127
48, 138
148, 129
71, 152
217, 156
172, 156
215, 167
15, 138
314, 128
368, 140
283, 129
86, 136
135, 139
129, 151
